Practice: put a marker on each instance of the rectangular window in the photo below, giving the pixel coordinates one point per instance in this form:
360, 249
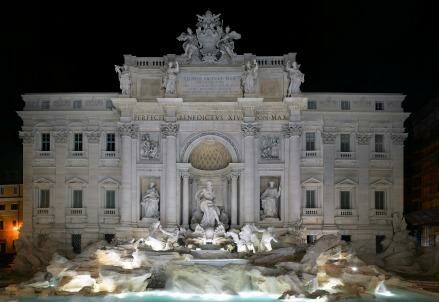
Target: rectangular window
379, 143
310, 239
346, 238
45, 142
15, 190
110, 199
45, 105
2, 190
77, 104
345, 199
379, 200
312, 105
111, 142
14, 223
76, 243
108, 104
2, 207
378, 241
14, 206
109, 237
77, 144
310, 141
77, 199
345, 105
44, 199
1, 225
379, 106
345, 143
310, 199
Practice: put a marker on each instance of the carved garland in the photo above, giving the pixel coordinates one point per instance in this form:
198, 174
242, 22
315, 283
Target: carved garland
249, 129
93, 137
129, 130
169, 129
363, 138
328, 137
61, 136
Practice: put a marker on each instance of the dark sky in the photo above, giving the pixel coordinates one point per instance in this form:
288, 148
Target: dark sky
343, 46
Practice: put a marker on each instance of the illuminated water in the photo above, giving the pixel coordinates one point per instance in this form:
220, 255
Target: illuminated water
162, 296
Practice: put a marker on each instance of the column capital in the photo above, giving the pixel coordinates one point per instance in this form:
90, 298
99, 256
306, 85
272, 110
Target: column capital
185, 174
93, 137
249, 129
292, 129
233, 175
398, 138
27, 137
61, 136
363, 138
169, 129
128, 129
328, 137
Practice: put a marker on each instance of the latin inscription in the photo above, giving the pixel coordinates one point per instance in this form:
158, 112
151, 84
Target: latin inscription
210, 84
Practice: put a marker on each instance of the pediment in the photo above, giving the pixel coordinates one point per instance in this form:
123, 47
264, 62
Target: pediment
346, 182
76, 180
311, 181
43, 180
381, 183
109, 181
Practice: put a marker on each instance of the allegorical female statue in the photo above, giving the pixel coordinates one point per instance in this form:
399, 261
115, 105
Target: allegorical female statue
269, 200
170, 79
150, 202
124, 79
249, 77
190, 44
211, 213
296, 78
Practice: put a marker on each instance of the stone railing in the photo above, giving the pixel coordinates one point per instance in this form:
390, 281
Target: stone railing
346, 155
150, 62
345, 212
76, 211
310, 154
379, 212
312, 212
109, 154
270, 60
43, 154
43, 211
380, 155
77, 153
109, 212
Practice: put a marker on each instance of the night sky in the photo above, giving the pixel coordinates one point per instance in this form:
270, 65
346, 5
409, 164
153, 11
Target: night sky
342, 46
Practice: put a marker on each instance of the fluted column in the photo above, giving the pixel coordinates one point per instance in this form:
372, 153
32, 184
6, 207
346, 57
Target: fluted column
363, 204
60, 151
293, 131
249, 131
185, 176
93, 204
127, 131
169, 131
234, 199
328, 203
397, 155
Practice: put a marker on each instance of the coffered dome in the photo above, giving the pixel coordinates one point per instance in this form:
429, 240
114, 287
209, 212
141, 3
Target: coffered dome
210, 155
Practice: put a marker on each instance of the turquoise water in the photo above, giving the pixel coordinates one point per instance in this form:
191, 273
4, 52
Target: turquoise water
398, 296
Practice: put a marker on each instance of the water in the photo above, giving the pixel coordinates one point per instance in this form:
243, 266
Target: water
163, 296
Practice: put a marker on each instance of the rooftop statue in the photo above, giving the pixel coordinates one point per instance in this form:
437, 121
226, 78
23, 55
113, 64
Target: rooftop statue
211, 43
249, 77
296, 78
124, 79
170, 78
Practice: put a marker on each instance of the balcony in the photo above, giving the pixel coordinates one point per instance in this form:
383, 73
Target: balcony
43, 211
43, 216
43, 154
379, 213
109, 154
110, 212
312, 215
312, 212
311, 154
77, 154
346, 155
380, 155
76, 211
346, 212
110, 216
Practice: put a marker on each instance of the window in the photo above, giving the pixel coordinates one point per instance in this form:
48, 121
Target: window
45, 105
310, 141
14, 206
1, 225
310, 239
2, 207
345, 105
15, 190
77, 199
45, 142
312, 105
111, 142
379, 106
345, 199
76, 243
345, 143
379, 143
44, 199
108, 104
378, 241
110, 199
109, 237
379, 200
310, 199
14, 223
346, 238
77, 144
2, 190
77, 104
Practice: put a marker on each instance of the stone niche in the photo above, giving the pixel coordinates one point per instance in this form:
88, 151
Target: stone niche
145, 182
270, 198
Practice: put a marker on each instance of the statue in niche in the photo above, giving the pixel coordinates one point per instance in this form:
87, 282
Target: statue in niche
270, 147
190, 43
269, 201
170, 79
211, 213
226, 44
296, 78
150, 202
124, 79
249, 77
150, 148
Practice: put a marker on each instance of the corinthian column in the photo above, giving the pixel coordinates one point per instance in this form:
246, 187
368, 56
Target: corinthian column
249, 130
293, 131
127, 131
185, 176
169, 131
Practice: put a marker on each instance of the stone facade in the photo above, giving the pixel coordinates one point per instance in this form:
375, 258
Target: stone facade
328, 154
11, 216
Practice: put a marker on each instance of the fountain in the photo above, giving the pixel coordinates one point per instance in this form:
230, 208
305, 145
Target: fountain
382, 290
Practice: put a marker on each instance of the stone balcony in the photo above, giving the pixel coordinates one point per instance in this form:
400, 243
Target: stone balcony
110, 155
110, 216
43, 154
346, 156
76, 211
312, 215
311, 154
76, 215
346, 216
380, 155
43, 216
77, 154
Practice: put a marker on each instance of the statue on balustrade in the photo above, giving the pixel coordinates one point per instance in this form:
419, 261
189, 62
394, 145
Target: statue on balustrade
249, 77
269, 201
190, 43
170, 79
124, 79
150, 202
296, 78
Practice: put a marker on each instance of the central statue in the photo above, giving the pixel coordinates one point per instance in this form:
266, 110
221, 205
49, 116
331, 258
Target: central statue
205, 198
